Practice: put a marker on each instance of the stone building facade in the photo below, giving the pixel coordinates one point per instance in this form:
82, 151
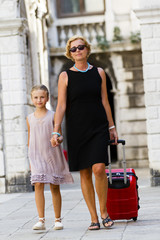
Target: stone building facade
149, 15
33, 34
23, 63
122, 62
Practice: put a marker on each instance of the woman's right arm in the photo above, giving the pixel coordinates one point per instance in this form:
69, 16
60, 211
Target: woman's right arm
61, 105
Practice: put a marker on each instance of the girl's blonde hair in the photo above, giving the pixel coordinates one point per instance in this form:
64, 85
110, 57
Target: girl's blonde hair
40, 87
68, 46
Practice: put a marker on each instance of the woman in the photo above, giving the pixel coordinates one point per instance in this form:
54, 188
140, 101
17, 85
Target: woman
89, 125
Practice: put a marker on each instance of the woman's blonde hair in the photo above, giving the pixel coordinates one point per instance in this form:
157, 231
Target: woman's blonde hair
40, 87
68, 46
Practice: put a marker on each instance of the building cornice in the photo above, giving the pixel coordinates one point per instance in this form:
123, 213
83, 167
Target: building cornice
148, 15
13, 26
115, 47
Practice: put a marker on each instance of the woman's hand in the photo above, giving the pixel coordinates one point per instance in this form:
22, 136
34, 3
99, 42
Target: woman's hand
60, 139
113, 136
55, 140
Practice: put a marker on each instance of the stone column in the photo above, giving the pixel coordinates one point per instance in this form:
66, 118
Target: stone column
149, 15
109, 24
2, 155
14, 104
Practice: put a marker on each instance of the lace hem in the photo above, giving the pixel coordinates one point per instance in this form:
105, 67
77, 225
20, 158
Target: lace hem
57, 180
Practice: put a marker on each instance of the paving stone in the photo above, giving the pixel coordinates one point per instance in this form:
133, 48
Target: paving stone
18, 214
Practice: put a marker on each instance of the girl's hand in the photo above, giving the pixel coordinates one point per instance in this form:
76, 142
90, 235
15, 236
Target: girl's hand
54, 141
113, 135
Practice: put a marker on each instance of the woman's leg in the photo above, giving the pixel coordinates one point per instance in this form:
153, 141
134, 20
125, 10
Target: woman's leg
39, 198
89, 193
101, 184
56, 198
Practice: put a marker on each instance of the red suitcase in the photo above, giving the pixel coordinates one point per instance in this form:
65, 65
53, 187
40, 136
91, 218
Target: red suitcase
122, 197
65, 154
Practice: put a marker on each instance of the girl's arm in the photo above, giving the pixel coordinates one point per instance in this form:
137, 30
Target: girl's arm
104, 95
28, 126
61, 106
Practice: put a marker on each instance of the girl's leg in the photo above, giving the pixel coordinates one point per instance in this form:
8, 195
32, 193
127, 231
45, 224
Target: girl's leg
89, 194
39, 198
40, 203
57, 203
101, 184
56, 198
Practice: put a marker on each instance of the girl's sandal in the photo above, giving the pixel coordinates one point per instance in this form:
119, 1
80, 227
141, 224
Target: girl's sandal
58, 225
106, 221
40, 225
94, 226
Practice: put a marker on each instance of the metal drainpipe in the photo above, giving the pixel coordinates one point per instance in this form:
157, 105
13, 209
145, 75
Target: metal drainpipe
3, 137
41, 16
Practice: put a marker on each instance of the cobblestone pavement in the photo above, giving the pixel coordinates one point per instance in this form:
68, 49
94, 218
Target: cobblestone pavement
18, 214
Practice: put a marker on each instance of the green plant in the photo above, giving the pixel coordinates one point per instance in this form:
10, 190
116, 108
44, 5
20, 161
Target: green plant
135, 37
117, 35
102, 42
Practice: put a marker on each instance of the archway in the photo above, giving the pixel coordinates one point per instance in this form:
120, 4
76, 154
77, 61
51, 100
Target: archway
98, 60
103, 60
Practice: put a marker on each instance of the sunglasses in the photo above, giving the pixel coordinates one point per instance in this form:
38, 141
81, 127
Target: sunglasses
74, 49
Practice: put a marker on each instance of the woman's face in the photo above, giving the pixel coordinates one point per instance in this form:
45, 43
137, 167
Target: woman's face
81, 52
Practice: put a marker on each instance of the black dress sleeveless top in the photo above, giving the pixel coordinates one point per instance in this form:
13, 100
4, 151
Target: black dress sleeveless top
87, 124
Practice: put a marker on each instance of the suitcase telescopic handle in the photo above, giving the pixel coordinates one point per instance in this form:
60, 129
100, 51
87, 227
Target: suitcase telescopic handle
124, 160
118, 141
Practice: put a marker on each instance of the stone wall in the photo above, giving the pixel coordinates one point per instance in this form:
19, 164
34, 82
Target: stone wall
23, 63
14, 99
149, 15
130, 114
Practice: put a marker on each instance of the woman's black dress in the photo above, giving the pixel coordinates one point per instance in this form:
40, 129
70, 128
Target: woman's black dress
87, 124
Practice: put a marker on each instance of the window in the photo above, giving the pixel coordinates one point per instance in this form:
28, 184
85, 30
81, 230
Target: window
70, 8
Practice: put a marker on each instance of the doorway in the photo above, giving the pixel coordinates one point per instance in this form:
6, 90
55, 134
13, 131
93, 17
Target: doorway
111, 102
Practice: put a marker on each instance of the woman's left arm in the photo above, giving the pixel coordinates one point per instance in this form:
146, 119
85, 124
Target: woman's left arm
105, 102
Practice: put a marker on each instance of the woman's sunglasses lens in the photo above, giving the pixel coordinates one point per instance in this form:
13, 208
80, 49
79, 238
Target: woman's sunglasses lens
80, 47
73, 49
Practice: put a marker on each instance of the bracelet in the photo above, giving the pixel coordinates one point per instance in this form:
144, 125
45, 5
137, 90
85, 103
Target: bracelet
57, 124
111, 127
56, 133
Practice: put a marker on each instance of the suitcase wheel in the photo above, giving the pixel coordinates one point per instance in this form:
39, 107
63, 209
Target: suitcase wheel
134, 218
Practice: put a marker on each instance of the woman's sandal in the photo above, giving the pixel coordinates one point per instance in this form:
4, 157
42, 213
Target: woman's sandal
107, 220
94, 226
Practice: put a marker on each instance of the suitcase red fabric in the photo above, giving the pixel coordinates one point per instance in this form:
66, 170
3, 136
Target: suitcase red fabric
122, 197
65, 154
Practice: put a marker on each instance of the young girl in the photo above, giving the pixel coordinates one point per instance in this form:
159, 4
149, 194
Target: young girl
48, 164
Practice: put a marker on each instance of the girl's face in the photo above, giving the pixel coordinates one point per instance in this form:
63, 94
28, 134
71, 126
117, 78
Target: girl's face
39, 98
81, 53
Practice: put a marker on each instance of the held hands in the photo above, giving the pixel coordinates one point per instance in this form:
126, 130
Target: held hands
56, 140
